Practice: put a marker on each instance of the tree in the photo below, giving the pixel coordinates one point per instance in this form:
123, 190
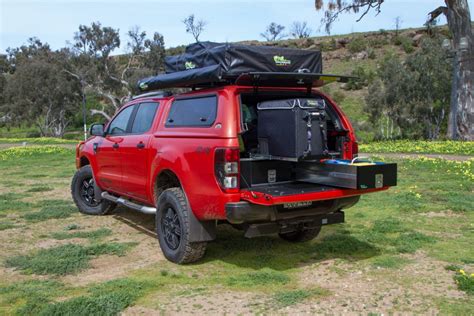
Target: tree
38, 91
410, 98
459, 22
112, 77
274, 32
194, 27
300, 30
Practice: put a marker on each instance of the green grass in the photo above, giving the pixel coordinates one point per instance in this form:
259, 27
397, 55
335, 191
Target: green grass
109, 298
37, 140
429, 212
390, 262
263, 277
50, 212
419, 147
94, 234
40, 188
65, 259
292, 297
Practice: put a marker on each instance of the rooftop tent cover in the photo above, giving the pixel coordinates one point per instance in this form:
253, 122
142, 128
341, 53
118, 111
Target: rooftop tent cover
207, 63
236, 59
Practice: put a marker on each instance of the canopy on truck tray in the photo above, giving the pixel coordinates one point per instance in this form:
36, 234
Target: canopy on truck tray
209, 64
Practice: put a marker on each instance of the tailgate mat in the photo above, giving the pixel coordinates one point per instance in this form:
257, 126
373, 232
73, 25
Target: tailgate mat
292, 188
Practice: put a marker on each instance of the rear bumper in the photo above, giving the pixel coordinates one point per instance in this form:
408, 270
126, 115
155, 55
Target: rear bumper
245, 212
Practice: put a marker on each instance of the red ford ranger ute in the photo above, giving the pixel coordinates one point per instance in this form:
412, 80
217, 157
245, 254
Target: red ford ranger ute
192, 159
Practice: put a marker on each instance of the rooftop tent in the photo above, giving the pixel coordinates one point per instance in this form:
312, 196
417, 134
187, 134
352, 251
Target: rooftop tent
236, 59
207, 64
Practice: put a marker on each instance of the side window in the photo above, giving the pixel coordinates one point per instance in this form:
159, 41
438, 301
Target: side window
119, 124
144, 117
196, 112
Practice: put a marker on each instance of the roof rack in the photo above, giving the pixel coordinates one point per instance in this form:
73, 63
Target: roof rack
158, 94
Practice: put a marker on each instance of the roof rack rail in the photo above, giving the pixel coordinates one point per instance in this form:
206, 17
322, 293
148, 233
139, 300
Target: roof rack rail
159, 94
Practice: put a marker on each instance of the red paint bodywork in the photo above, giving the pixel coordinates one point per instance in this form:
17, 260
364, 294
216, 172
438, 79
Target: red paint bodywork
189, 154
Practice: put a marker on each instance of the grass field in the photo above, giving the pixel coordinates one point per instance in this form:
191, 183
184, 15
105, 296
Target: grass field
409, 250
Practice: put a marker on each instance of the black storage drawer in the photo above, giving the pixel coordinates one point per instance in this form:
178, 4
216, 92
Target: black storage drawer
352, 176
254, 172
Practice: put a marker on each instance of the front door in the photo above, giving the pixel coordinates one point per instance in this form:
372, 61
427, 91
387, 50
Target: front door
108, 153
136, 153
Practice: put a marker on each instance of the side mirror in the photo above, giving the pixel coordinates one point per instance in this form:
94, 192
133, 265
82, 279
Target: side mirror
97, 130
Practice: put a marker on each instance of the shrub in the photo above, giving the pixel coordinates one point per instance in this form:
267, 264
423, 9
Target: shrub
357, 45
465, 282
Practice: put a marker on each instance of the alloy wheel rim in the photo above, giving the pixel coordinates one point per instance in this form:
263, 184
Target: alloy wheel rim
87, 192
171, 228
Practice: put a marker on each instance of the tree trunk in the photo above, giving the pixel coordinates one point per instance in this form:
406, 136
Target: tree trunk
462, 115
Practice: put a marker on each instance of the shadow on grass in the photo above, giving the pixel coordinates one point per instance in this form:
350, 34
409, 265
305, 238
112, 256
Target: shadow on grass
232, 247
274, 253
144, 223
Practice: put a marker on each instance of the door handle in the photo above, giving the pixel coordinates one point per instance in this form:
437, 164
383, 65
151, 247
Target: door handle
115, 146
140, 145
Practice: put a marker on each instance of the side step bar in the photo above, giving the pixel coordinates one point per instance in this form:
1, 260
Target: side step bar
129, 204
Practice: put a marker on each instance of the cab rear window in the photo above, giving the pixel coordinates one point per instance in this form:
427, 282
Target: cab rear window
193, 112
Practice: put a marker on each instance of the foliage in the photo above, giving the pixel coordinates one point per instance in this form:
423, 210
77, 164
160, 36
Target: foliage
300, 30
419, 147
357, 45
364, 77
39, 91
38, 141
465, 281
65, 259
411, 99
24, 151
194, 27
273, 32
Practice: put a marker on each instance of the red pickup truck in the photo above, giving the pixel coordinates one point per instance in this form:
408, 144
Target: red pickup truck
195, 160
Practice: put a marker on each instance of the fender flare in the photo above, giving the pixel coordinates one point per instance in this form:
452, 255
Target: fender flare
199, 230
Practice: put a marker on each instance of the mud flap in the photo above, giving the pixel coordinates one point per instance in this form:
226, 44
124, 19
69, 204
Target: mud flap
201, 230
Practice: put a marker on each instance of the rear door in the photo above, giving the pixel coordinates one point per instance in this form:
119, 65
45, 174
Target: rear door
135, 151
108, 157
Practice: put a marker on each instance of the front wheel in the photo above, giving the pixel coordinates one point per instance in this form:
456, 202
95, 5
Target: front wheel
173, 228
82, 191
301, 235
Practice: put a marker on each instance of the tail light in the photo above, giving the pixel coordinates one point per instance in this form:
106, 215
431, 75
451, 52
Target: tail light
227, 169
355, 149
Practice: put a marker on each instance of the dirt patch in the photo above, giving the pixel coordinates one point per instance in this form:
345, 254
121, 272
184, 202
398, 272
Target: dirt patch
447, 213
369, 289
207, 303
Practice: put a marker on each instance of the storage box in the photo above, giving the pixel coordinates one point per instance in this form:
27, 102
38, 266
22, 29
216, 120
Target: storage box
258, 172
347, 175
292, 128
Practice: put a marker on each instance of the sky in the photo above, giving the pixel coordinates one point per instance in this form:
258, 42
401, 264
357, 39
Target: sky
55, 21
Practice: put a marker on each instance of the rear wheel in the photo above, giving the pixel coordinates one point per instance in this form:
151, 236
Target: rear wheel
173, 228
301, 235
82, 191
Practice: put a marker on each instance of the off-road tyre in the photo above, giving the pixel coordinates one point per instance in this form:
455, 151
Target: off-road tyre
301, 235
78, 188
172, 210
